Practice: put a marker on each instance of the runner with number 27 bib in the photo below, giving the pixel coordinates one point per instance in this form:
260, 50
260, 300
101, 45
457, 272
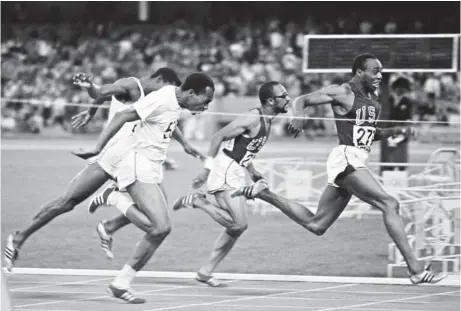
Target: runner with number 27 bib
356, 109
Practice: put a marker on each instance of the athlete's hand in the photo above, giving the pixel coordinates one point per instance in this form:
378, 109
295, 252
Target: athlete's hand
406, 131
200, 180
296, 126
193, 152
83, 80
85, 154
81, 119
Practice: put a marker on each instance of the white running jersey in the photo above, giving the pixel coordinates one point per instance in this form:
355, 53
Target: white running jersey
117, 106
159, 112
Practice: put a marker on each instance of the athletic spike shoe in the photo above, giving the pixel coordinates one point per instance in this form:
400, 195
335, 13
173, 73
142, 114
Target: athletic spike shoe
209, 280
100, 200
427, 276
106, 240
250, 192
124, 294
11, 253
187, 201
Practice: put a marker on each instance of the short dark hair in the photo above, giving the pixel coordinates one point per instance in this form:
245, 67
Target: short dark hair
266, 91
198, 82
360, 60
168, 75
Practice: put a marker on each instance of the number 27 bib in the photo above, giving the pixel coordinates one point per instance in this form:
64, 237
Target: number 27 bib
363, 135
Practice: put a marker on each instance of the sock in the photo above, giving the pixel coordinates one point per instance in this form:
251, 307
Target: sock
112, 198
121, 200
124, 278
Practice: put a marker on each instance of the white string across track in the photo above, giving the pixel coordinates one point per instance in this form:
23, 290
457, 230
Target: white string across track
231, 114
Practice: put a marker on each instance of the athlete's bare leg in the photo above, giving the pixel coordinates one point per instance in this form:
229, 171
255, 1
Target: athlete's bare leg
364, 186
332, 203
149, 202
221, 216
85, 183
236, 209
118, 222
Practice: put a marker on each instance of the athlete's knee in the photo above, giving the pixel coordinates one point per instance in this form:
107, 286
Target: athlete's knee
66, 203
160, 230
237, 230
389, 204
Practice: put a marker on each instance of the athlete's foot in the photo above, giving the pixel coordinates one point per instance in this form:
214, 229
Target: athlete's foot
209, 280
106, 240
100, 200
250, 192
427, 276
187, 201
11, 252
124, 294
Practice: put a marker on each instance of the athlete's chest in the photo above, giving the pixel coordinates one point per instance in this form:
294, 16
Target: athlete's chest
365, 110
255, 144
258, 137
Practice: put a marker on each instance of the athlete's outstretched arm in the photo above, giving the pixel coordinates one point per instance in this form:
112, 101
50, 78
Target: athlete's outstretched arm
232, 130
383, 133
333, 94
101, 94
85, 81
326, 95
120, 118
178, 135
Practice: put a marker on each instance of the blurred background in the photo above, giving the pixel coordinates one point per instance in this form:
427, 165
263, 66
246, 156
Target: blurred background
240, 45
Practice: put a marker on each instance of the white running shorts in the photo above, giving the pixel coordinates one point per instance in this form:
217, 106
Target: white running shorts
343, 156
226, 174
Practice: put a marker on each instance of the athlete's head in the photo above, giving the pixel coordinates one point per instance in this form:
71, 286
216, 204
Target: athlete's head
198, 91
162, 77
273, 94
368, 68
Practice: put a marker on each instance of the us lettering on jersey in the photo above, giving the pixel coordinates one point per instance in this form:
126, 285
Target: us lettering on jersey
362, 114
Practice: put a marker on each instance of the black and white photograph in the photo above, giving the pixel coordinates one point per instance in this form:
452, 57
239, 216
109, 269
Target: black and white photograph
230, 155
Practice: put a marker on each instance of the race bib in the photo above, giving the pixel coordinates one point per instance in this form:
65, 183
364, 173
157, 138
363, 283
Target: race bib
247, 158
363, 135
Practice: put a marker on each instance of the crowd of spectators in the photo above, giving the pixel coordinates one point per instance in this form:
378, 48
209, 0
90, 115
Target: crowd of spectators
38, 62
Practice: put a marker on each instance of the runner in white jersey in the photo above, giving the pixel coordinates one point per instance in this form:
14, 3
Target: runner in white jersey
118, 103
140, 171
93, 176
164, 76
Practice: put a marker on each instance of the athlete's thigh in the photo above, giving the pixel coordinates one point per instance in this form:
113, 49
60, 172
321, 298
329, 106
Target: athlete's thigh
364, 186
162, 188
138, 218
332, 203
86, 182
236, 207
149, 200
